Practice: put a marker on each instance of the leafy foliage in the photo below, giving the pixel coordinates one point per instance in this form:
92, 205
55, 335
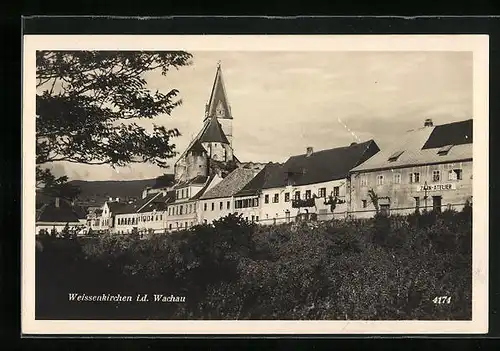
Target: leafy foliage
381, 268
87, 102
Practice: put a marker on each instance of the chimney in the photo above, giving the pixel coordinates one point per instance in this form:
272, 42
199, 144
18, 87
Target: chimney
428, 123
309, 151
57, 202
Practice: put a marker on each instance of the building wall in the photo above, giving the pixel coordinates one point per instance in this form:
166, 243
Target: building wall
402, 195
58, 226
181, 215
221, 208
197, 165
252, 213
276, 212
227, 128
218, 151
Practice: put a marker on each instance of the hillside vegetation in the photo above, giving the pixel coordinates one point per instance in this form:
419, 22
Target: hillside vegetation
382, 268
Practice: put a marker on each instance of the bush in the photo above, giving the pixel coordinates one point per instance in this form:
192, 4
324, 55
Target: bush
389, 267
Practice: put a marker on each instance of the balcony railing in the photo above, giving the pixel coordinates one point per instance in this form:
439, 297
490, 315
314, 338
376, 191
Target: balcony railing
298, 203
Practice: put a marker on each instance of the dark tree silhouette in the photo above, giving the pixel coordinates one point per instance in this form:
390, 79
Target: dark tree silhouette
86, 105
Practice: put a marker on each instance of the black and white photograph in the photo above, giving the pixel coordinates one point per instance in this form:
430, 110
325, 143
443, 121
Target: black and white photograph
269, 184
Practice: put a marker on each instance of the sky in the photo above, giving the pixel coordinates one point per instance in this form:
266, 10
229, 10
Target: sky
283, 102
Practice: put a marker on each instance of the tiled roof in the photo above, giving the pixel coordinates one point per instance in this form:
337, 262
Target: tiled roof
202, 190
421, 146
143, 202
159, 202
119, 208
62, 214
322, 166
261, 180
457, 133
198, 180
231, 184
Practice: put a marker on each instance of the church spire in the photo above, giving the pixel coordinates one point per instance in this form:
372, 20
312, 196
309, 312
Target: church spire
218, 105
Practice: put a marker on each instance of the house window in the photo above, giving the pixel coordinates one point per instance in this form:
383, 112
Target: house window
435, 176
205, 206
256, 202
455, 174
287, 197
213, 206
380, 179
186, 225
228, 205
397, 178
415, 177
364, 180
256, 218
364, 203
308, 194
322, 192
417, 203
276, 198
221, 205
336, 191
180, 210
297, 195
266, 199
170, 226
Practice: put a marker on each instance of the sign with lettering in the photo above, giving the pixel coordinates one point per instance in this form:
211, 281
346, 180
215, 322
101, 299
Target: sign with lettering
437, 187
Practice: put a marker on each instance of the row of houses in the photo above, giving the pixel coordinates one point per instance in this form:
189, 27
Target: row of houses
430, 169
427, 168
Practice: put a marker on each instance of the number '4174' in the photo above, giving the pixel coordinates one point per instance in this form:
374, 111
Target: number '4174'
442, 300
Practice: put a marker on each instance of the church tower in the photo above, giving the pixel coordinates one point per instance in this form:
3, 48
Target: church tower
218, 106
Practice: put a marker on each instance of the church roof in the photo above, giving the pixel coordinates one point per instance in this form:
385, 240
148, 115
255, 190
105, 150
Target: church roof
213, 133
197, 147
218, 97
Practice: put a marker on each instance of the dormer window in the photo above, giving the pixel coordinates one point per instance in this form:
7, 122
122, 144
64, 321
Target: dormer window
444, 150
394, 157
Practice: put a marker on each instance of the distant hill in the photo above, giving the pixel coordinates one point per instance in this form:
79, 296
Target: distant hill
99, 191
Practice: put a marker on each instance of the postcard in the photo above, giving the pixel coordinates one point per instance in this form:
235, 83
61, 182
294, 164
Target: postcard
255, 184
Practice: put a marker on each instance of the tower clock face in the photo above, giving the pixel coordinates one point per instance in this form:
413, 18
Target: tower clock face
220, 110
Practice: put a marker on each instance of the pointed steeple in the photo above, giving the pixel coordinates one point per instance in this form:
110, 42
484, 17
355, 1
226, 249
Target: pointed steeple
218, 105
